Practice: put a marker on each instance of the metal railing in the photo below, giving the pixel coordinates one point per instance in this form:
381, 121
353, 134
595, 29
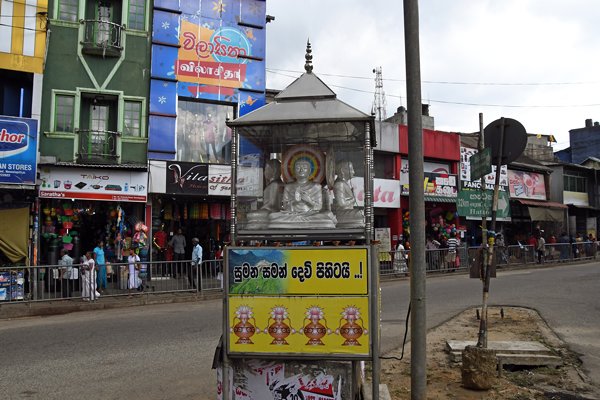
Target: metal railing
97, 145
59, 282
55, 282
102, 37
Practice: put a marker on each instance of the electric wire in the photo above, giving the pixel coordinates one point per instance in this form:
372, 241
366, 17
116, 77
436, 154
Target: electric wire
403, 340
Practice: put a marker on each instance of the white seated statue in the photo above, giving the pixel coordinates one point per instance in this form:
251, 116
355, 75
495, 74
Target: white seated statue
272, 195
302, 205
344, 201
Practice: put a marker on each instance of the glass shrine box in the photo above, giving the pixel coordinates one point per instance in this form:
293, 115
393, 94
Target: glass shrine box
302, 168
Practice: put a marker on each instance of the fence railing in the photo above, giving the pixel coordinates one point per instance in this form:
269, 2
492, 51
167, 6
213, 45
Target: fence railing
58, 282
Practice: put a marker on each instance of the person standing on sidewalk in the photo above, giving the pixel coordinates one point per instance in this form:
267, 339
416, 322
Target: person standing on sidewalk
541, 248
67, 273
196, 262
133, 262
178, 244
88, 290
452, 255
160, 243
101, 265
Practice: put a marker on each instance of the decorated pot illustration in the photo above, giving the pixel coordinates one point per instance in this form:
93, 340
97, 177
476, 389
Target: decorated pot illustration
244, 329
351, 330
314, 330
279, 330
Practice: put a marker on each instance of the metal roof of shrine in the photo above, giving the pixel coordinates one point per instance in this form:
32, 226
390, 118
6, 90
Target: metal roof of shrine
306, 100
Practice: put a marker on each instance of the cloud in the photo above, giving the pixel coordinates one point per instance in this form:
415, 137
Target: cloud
511, 42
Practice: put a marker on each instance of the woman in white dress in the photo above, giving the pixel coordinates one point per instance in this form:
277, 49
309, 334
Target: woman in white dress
88, 289
134, 280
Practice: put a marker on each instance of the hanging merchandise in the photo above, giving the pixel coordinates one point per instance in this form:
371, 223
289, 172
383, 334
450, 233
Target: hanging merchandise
185, 212
203, 211
406, 223
168, 215
195, 211
176, 214
215, 211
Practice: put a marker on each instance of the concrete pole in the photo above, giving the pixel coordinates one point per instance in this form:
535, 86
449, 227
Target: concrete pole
418, 376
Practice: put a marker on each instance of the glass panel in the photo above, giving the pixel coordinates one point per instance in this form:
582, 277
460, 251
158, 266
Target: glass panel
137, 14
103, 30
98, 127
68, 10
63, 116
132, 117
301, 176
201, 132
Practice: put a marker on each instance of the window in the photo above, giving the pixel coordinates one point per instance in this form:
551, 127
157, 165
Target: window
202, 135
137, 15
575, 184
103, 31
132, 118
68, 10
63, 113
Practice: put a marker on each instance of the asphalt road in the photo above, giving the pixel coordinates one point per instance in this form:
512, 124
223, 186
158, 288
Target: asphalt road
165, 351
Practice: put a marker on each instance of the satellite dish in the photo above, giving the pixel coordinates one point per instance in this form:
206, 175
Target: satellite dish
515, 139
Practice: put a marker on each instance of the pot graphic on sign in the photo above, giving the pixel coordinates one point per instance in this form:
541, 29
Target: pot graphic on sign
279, 330
244, 329
351, 330
314, 330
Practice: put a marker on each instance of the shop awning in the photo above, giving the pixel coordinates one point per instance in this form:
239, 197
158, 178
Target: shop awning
440, 199
545, 214
537, 203
14, 236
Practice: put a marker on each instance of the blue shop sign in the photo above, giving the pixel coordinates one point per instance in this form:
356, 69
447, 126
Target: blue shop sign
18, 150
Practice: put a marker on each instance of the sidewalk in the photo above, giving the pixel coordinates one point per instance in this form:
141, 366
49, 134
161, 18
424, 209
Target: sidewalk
44, 308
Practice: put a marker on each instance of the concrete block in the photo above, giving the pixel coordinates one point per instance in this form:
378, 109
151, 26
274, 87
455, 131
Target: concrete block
367, 391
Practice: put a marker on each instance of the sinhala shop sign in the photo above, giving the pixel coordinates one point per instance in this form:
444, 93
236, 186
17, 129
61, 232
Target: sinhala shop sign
18, 150
212, 57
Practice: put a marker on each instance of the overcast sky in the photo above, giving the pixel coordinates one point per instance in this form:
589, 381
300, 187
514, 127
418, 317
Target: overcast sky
537, 61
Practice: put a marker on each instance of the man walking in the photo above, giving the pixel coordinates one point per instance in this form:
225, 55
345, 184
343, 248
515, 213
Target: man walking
196, 262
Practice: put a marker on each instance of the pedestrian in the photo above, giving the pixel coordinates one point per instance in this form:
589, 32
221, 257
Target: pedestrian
88, 291
196, 262
541, 248
501, 256
101, 265
431, 254
67, 271
133, 281
160, 243
452, 244
178, 244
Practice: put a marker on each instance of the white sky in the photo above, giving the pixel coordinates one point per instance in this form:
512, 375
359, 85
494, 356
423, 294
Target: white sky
522, 44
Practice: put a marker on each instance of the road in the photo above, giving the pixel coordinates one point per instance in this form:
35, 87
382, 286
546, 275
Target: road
165, 351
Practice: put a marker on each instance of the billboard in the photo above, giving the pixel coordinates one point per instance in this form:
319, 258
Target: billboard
300, 301
526, 185
18, 150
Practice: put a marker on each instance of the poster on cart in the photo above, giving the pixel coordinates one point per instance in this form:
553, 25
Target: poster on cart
93, 184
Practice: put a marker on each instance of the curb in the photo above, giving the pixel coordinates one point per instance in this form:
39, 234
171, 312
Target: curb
59, 307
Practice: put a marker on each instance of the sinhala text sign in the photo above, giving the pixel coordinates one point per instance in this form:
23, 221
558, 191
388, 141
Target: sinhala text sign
300, 301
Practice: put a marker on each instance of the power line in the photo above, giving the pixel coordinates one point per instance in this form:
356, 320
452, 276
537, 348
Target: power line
450, 82
459, 103
22, 27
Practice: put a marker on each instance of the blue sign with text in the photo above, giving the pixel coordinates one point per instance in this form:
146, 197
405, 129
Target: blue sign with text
18, 150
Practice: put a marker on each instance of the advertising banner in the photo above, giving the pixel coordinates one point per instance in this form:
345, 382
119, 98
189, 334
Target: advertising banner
465, 172
187, 178
301, 301
526, 185
93, 184
386, 192
440, 185
299, 325
18, 150
272, 271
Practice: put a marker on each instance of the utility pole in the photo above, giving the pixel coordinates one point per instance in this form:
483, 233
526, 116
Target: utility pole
418, 357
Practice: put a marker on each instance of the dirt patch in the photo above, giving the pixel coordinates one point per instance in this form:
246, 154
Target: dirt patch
444, 376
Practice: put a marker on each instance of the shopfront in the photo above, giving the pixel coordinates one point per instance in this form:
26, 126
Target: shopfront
80, 206
18, 167
193, 197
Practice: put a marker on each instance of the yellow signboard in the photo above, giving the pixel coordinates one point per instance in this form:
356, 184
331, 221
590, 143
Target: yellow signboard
298, 271
299, 325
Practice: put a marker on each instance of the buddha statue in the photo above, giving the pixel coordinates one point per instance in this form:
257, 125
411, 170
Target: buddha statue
302, 204
344, 201
271, 196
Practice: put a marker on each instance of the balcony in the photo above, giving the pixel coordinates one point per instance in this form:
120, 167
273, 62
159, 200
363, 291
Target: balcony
102, 38
97, 146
